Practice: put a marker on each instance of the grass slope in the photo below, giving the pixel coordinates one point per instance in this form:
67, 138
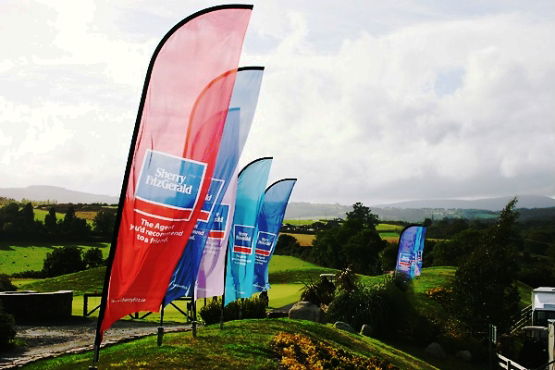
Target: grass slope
23, 257
241, 345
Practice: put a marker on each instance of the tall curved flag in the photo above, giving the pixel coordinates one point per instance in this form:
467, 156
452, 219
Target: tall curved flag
237, 127
411, 248
269, 222
173, 152
240, 256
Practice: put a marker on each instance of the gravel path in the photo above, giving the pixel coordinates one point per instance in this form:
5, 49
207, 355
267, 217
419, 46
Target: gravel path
75, 336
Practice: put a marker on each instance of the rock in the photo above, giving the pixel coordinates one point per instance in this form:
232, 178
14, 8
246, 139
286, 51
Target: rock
304, 310
366, 330
464, 355
344, 326
436, 350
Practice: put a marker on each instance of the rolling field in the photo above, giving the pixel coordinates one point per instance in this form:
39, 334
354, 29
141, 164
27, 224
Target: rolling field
17, 258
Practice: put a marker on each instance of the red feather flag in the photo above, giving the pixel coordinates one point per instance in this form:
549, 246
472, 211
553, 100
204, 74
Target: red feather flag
175, 144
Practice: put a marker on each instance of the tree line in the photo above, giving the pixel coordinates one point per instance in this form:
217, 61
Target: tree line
18, 223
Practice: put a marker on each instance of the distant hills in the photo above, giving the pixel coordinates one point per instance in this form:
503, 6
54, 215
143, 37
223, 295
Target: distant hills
490, 204
417, 211
55, 194
410, 211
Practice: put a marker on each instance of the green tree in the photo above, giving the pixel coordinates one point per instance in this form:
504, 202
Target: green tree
456, 250
104, 223
93, 258
63, 260
50, 222
484, 287
354, 242
74, 227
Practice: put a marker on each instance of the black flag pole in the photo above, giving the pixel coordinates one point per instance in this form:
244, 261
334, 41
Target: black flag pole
160, 337
194, 304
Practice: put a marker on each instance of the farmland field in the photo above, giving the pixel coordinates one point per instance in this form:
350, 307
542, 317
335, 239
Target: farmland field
305, 240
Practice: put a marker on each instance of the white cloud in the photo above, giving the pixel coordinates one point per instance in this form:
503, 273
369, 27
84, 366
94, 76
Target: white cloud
370, 103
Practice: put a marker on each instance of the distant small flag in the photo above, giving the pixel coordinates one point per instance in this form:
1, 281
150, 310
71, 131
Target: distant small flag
411, 248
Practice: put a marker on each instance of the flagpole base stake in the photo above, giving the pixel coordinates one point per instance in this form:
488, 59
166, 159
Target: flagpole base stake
160, 336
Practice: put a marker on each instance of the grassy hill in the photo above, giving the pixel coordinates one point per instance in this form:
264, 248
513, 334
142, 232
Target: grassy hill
242, 344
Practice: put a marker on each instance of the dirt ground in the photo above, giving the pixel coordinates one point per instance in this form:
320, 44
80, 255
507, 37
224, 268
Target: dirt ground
76, 335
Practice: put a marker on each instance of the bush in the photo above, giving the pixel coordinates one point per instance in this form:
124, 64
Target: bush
252, 308
93, 258
320, 293
6, 283
346, 279
385, 307
298, 351
62, 261
7, 328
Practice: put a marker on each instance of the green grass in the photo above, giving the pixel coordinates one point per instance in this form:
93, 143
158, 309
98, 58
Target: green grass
389, 228
284, 294
40, 214
288, 269
242, 344
22, 257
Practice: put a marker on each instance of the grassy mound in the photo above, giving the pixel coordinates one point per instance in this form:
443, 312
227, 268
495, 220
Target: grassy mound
242, 344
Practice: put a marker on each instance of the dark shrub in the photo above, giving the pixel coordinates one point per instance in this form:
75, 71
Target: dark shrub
6, 283
385, 307
7, 328
62, 261
346, 280
93, 258
318, 293
252, 308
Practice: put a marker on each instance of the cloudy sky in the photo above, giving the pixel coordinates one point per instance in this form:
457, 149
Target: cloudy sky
371, 101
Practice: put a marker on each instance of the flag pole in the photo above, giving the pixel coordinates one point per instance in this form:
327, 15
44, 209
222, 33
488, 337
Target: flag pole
223, 295
160, 337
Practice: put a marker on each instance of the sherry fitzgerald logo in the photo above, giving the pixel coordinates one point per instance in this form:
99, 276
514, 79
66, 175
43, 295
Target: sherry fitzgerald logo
243, 239
169, 182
